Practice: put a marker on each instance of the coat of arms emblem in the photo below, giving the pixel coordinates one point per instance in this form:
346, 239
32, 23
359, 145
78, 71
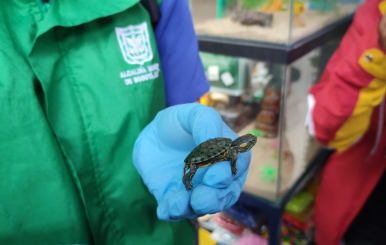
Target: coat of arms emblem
135, 43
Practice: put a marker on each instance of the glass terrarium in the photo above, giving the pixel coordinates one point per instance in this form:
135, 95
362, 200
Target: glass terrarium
279, 22
271, 103
261, 57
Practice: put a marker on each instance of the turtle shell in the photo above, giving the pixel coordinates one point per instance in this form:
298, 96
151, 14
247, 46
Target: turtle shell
208, 150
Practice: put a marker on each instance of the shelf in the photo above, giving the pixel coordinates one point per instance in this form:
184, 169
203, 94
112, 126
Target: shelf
271, 52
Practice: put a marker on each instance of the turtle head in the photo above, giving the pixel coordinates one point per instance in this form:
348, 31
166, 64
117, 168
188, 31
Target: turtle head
244, 143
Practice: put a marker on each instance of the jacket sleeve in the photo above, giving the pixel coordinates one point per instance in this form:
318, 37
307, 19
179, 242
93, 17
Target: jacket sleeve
352, 85
177, 44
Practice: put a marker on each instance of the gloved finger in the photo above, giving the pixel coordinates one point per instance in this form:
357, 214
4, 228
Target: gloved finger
220, 175
158, 174
171, 132
202, 122
175, 207
206, 199
163, 211
163, 202
207, 125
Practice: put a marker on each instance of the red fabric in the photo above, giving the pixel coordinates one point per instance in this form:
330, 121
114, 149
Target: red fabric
337, 92
347, 182
347, 178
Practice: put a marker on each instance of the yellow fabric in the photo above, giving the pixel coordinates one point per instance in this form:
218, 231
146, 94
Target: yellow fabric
382, 7
359, 121
204, 237
377, 66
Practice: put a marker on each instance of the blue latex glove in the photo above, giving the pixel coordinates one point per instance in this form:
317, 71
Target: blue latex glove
159, 155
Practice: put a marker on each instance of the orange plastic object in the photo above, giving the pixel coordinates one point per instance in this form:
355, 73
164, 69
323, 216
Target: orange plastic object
273, 6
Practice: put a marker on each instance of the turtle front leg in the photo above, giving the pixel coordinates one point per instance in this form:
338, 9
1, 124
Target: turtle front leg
186, 167
232, 156
187, 179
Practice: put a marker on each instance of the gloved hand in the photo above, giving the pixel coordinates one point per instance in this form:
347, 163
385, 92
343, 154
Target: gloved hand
159, 155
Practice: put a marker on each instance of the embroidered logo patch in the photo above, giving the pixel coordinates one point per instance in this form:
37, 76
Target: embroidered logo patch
135, 44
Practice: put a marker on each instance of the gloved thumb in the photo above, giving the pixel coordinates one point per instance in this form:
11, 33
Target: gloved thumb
202, 122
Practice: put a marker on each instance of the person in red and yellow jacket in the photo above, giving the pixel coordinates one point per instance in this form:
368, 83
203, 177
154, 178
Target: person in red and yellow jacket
347, 113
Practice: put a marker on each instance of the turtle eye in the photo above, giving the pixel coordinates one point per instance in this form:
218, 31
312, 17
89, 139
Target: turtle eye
243, 144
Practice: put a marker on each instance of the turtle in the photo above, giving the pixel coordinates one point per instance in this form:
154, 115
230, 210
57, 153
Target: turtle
215, 150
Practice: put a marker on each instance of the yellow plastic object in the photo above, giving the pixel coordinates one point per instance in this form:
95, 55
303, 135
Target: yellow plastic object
299, 202
204, 237
299, 8
303, 216
206, 100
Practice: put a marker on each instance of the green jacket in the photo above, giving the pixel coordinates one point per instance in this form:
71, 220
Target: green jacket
78, 82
